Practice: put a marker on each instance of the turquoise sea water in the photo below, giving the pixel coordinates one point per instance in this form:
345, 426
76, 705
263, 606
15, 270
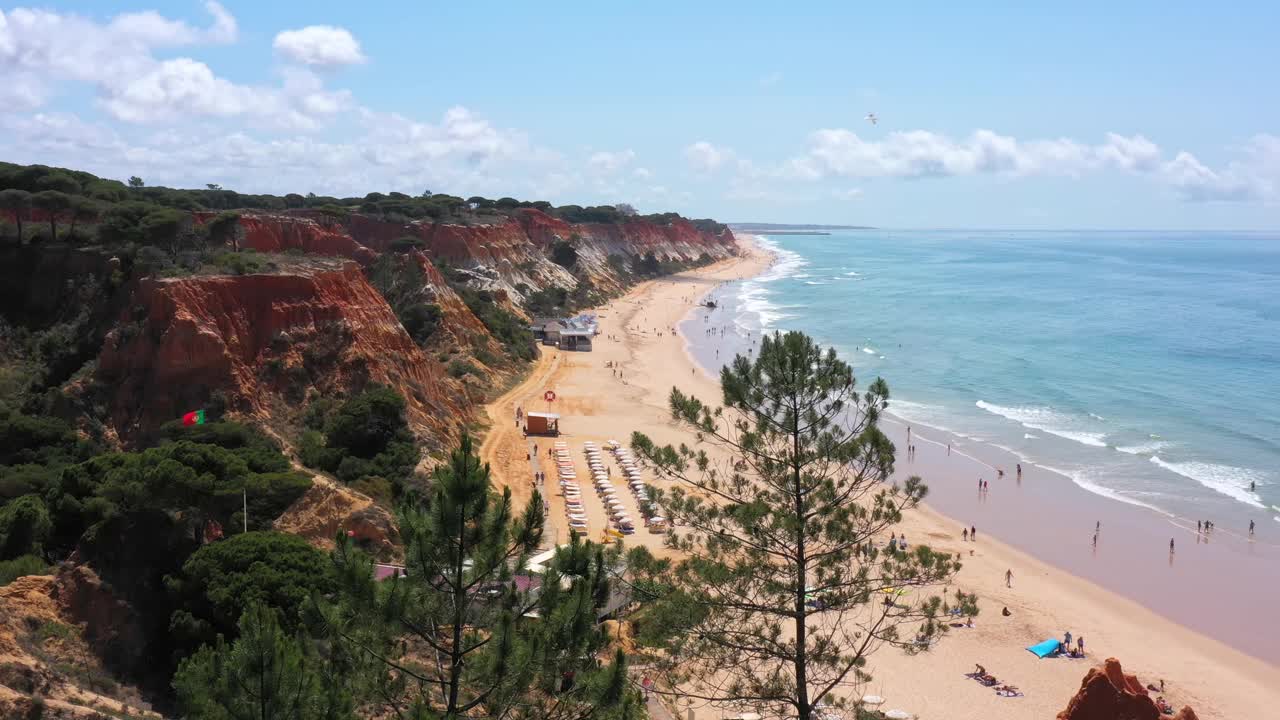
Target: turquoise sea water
1144, 366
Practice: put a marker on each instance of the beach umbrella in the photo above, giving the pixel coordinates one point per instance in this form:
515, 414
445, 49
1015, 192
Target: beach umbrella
899, 715
872, 700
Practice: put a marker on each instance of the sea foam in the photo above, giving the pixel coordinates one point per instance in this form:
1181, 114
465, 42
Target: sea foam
1226, 479
1081, 479
755, 295
1147, 448
1046, 420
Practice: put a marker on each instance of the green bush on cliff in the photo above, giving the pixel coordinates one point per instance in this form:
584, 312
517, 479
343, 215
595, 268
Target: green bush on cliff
221, 579
367, 435
504, 325
20, 566
24, 527
401, 283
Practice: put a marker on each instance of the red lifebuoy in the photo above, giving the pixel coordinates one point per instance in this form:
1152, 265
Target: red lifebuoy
549, 395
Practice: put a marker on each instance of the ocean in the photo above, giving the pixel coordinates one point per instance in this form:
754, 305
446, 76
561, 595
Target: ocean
1144, 366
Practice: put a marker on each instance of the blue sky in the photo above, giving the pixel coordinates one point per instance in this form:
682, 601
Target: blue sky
1119, 115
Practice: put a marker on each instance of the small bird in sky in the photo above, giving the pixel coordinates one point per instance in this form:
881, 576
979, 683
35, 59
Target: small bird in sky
871, 118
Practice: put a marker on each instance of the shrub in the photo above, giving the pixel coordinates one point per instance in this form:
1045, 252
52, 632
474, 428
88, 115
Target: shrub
376, 487
221, 579
457, 368
366, 423
421, 321
24, 527
407, 243
21, 566
367, 435
564, 254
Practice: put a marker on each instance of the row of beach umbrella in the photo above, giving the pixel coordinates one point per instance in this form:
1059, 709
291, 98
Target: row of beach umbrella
631, 471
613, 505
568, 477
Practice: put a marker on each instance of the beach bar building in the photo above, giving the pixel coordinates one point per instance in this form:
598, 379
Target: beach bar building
576, 339
575, 333
540, 423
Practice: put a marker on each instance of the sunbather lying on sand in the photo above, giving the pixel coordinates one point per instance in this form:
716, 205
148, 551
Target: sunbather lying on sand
1008, 691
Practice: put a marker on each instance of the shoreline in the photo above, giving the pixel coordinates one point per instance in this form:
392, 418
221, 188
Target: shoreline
1053, 517
598, 405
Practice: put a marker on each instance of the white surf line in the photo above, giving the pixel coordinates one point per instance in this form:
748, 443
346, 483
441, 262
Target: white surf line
954, 449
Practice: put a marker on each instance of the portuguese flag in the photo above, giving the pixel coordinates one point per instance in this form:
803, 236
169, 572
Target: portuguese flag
193, 418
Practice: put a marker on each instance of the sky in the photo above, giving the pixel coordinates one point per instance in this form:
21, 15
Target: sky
1128, 115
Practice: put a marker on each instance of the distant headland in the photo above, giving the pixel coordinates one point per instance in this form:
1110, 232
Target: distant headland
789, 229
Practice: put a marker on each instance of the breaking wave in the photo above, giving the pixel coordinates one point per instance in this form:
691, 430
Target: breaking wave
1226, 479
1046, 420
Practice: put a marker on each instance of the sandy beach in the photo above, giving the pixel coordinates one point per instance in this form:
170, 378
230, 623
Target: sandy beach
622, 386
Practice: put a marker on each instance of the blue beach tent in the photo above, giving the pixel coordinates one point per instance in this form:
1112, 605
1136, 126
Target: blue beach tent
1046, 648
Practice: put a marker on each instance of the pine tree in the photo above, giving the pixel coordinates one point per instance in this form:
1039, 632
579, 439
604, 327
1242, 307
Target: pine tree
782, 591
456, 636
264, 675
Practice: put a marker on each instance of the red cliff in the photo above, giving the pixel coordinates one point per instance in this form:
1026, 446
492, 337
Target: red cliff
500, 255
264, 342
1107, 693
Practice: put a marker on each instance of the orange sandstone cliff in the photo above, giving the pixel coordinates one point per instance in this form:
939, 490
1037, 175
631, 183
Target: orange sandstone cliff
503, 254
1107, 693
265, 342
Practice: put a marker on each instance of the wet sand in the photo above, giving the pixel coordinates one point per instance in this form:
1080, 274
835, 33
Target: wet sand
1220, 583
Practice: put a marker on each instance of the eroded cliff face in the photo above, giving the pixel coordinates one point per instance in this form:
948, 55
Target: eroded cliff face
1107, 693
265, 342
501, 255
53, 629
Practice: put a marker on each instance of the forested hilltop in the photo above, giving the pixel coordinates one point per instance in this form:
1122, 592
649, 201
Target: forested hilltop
334, 351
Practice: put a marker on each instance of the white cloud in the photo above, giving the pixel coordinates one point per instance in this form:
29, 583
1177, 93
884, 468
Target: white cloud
1255, 178
841, 153
319, 46
642, 173
920, 153
607, 163
56, 47
42, 50
704, 157
461, 135
848, 194
460, 153
151, 29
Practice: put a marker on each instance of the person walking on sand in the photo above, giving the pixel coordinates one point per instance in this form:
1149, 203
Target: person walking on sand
1019, 471
1250, 528
1008, 578
948, 449
964, 534
973, 533
1095, 541
1080, 645
1170, 546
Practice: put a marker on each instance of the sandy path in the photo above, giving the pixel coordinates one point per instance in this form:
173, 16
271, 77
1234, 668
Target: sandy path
504, 443
623, 386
